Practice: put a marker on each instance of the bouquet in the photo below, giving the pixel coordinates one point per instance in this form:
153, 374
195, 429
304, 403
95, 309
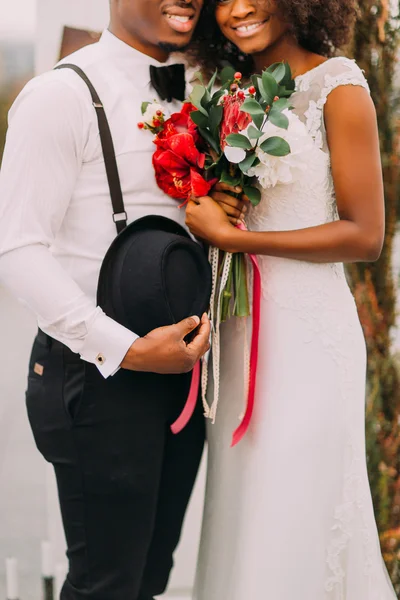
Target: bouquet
228, 134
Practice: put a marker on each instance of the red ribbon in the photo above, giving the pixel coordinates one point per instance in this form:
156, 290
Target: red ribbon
191, 401
239, 433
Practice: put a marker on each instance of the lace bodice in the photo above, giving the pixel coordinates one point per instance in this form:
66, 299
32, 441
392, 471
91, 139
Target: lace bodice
310, 199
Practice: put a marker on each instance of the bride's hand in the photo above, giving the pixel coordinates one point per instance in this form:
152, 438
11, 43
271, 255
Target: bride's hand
234, 207
208, 221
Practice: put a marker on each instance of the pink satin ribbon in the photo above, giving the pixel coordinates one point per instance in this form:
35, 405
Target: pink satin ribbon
239, 433
191, 401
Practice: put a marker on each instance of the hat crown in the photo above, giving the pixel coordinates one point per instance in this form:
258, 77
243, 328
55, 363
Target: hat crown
154, 275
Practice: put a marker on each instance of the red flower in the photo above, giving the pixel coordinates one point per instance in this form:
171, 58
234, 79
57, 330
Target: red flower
178, 162
233, 120
178, 123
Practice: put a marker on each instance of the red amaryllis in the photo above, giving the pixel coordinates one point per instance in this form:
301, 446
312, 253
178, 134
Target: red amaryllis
178, 162
179, 122
233, 120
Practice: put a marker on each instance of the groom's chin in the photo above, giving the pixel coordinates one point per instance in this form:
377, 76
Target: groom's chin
169, 47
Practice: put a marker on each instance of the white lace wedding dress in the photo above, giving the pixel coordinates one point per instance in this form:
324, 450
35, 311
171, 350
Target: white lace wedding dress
288, 512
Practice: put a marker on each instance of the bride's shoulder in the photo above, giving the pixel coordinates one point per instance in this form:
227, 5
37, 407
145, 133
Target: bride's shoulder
333, 73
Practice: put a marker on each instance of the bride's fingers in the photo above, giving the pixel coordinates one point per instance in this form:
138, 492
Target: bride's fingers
231, 211
236, 203
224, 187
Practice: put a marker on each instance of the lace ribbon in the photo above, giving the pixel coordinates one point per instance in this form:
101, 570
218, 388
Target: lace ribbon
250, 366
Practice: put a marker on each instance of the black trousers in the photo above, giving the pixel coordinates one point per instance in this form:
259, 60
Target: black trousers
124, 480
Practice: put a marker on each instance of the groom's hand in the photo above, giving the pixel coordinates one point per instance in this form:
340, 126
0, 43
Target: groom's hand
164, 350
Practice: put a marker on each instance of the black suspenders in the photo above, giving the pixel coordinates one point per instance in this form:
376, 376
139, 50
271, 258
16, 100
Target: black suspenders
119, 214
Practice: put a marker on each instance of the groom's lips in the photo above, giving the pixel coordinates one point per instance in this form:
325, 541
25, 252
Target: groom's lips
181, 20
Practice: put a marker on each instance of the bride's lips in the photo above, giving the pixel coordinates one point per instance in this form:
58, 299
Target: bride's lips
180, 19
249, 28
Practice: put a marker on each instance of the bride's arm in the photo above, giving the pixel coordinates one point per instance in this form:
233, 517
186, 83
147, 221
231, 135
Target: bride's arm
353, 140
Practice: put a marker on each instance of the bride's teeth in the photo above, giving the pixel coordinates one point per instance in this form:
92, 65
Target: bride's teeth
179, 18
249, 28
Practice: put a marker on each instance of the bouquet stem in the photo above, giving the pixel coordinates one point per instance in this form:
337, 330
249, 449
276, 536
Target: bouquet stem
241, 306
235, 289
227, 292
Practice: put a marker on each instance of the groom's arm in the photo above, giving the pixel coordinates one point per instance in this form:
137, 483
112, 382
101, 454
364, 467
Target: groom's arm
41, 163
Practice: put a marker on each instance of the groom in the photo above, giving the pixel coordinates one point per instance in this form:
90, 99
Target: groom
124, 480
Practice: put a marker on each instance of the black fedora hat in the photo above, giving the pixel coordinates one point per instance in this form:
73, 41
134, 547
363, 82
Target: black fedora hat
153, 275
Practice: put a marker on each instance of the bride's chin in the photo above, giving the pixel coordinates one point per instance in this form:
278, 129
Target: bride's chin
252, 47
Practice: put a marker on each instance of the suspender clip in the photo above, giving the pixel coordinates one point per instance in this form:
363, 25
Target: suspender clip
122, 216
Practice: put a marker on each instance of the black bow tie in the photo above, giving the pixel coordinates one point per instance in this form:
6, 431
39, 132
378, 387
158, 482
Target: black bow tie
169, 82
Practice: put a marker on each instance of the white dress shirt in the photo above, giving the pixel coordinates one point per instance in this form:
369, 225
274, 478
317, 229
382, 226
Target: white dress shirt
55, 209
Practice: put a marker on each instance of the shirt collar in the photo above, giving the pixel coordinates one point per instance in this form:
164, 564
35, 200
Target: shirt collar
133, 60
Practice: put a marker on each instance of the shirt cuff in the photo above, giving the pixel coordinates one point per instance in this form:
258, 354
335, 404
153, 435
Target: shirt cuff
106, 344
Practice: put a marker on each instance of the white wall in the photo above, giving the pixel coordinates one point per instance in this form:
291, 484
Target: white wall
93, 14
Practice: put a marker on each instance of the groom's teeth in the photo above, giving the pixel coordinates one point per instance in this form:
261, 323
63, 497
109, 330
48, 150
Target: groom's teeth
179, 18
250, 27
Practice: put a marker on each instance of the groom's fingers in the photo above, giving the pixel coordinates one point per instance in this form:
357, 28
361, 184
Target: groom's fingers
201, 342
186, 326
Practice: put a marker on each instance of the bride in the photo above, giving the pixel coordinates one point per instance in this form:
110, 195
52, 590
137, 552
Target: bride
288, 512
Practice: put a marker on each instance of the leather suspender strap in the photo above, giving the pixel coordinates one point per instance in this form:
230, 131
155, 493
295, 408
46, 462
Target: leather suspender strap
119, 214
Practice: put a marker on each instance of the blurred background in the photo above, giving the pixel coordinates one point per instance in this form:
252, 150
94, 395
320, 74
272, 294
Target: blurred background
33, 33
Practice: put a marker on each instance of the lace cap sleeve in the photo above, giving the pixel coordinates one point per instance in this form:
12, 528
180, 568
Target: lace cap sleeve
319, 83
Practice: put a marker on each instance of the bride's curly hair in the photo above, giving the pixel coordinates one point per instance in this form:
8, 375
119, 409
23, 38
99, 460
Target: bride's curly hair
321, 26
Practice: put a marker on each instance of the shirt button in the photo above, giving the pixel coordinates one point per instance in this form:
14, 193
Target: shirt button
100, 359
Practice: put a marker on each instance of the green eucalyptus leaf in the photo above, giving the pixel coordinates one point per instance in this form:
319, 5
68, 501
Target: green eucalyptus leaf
286, 81
206, 99
279, 73
272, 67
275, 146
255, 80
281, 104
284, 93
212, 81
237, 140
278, 119
258, 120
216, 113
210, 139
227, 75
264, 93
251, 106
229, 180
199, 119
196, 97
248, 162
253, 194
269, 84
254, 133
199, 75
216, 96
144, 106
